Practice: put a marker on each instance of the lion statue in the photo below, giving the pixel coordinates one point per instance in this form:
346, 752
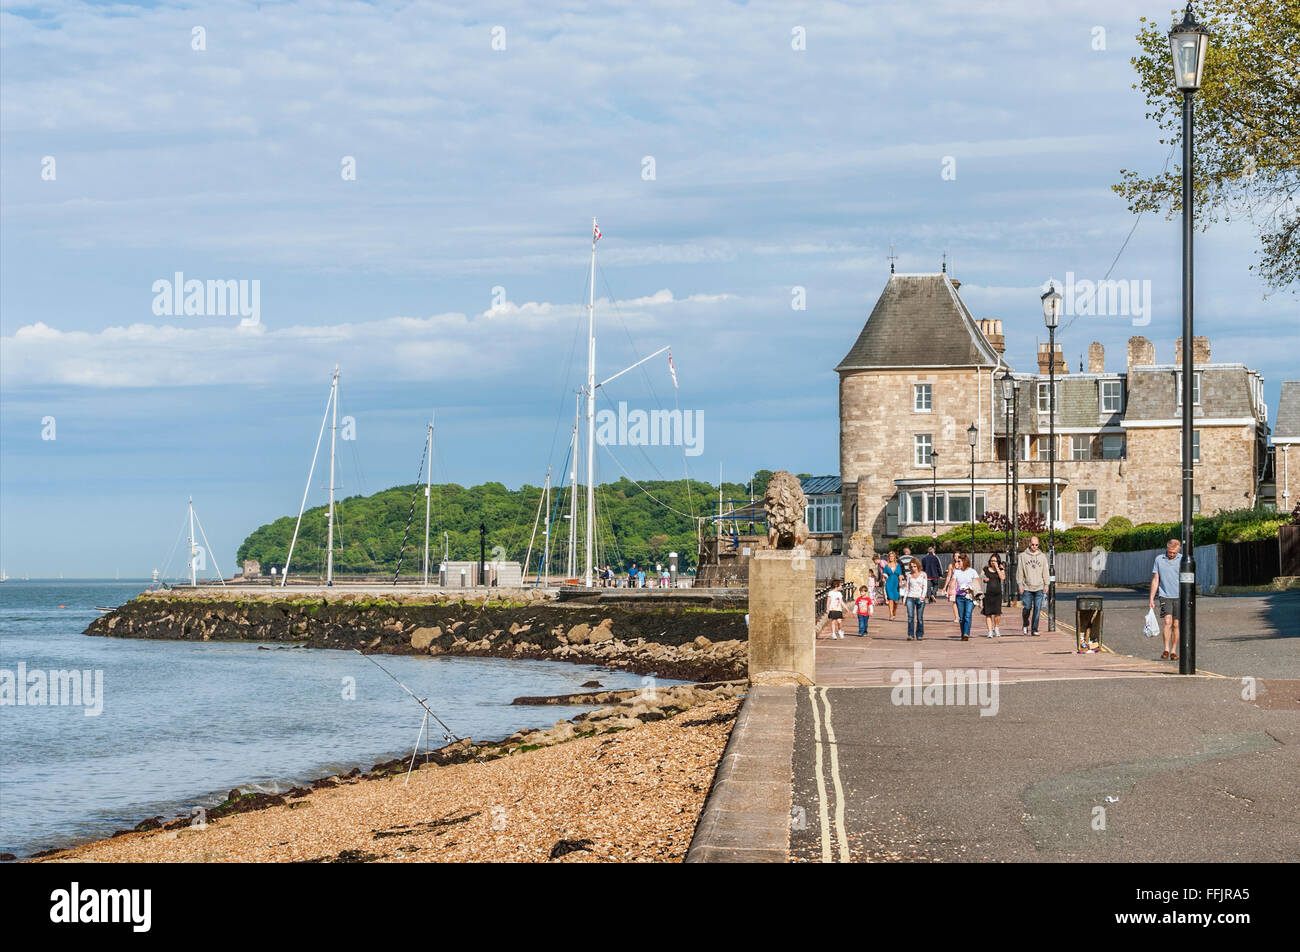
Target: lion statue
784, 503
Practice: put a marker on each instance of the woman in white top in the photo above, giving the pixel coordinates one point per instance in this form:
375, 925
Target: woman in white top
967, 581
914, 588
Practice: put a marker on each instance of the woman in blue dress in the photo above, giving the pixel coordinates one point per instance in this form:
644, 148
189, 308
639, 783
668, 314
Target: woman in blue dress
893, 572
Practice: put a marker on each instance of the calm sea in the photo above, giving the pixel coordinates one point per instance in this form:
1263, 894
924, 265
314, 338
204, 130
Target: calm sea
183, 722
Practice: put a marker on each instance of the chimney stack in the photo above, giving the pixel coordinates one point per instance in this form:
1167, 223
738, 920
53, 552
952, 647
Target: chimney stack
1045, 361
1096, 358
1200, 350
992, 331
1141, 352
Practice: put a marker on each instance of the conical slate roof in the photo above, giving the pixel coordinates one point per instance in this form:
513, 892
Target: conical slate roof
919, 321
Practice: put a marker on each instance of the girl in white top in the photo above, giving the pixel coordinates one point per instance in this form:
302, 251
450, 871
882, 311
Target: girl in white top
835, 609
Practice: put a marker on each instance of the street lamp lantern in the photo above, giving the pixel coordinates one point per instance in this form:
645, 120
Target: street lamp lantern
972, 433
1051, 306
1188, 42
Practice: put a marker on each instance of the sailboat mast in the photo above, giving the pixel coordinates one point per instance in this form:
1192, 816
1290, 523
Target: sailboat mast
334, 429
546, 540
428, 491
591, 406
194, 581
573, 491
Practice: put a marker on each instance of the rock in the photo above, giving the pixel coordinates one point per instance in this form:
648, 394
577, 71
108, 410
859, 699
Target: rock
421, 638
601, 632
578, 634
592, 684
702, 643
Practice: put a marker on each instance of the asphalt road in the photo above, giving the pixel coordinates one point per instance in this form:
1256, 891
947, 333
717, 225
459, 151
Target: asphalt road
1165, 769
1237, 635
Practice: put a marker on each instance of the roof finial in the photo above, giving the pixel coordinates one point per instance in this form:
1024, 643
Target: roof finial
891, 257
945, 262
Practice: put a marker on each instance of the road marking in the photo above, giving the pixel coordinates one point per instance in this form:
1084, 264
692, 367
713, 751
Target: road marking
840, 833
823, 816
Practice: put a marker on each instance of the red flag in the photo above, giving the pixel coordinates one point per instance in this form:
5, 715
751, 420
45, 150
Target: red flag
596, 229
671, 369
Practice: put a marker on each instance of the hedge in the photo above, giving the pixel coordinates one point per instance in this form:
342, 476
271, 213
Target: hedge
1117, 535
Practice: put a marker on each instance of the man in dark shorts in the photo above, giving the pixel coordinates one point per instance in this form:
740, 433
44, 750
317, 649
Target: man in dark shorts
1164, 591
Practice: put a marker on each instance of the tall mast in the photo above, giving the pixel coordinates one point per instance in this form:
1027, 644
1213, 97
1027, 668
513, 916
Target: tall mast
334, 428
591, 406
573, 490
546, 540
428, 491
194, 581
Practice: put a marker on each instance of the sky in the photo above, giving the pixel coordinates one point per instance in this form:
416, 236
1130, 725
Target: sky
411, 186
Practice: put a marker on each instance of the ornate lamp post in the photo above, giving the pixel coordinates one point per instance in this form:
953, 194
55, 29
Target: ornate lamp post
1011, 391
934, 494
1051, 317
1188, 42
972, 434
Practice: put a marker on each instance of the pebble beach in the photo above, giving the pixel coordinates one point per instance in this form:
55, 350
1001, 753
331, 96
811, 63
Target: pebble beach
629, 794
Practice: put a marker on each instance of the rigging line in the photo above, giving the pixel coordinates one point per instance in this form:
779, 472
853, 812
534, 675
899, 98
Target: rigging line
221, 578
562, 411
640, 449
401, 553
645, 371
1136, 222
642, 488
172, 554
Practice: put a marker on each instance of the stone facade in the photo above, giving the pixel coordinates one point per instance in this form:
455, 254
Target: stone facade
1117, 433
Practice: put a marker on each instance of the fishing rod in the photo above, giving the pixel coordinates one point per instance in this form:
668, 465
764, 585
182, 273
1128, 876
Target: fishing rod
447, 733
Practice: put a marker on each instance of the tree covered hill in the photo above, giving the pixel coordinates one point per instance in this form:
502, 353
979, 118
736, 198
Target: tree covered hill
633, 524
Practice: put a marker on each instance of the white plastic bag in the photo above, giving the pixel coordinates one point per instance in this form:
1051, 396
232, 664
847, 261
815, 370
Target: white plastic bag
1151, 627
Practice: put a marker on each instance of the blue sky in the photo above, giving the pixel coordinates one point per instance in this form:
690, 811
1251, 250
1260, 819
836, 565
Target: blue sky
480, 168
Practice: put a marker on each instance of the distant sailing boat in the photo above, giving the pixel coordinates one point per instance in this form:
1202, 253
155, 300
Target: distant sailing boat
3, 576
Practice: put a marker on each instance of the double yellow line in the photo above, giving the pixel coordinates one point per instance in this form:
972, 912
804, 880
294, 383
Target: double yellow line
823, 808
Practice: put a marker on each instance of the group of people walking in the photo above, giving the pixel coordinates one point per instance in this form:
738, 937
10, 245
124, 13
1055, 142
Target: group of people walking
915, 582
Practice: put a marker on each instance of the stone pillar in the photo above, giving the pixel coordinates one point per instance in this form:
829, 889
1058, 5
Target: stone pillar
856, 572
782, 634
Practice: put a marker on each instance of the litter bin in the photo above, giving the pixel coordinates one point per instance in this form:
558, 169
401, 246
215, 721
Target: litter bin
1087, 622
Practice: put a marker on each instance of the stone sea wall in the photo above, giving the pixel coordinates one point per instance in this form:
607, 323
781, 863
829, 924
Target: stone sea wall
692, 644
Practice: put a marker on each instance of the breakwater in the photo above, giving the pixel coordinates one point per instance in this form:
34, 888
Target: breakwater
669, 641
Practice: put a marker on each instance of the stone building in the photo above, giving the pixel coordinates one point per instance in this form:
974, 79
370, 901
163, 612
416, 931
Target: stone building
925, 375
1285, 439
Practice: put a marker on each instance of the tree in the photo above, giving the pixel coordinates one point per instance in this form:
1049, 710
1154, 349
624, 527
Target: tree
1247, 117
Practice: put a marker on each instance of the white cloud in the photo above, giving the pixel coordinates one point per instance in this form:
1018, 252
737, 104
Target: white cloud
449, 346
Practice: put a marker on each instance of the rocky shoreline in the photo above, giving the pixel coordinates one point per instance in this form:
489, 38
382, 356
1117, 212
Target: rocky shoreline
624, 711
685, 644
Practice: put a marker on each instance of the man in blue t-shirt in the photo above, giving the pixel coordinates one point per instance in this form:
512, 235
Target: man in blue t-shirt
1164, 589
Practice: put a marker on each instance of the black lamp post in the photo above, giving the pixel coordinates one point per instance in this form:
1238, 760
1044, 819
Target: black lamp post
934, 494
1052, 317
1188, 42
482, 552
1011, 390
972, 434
